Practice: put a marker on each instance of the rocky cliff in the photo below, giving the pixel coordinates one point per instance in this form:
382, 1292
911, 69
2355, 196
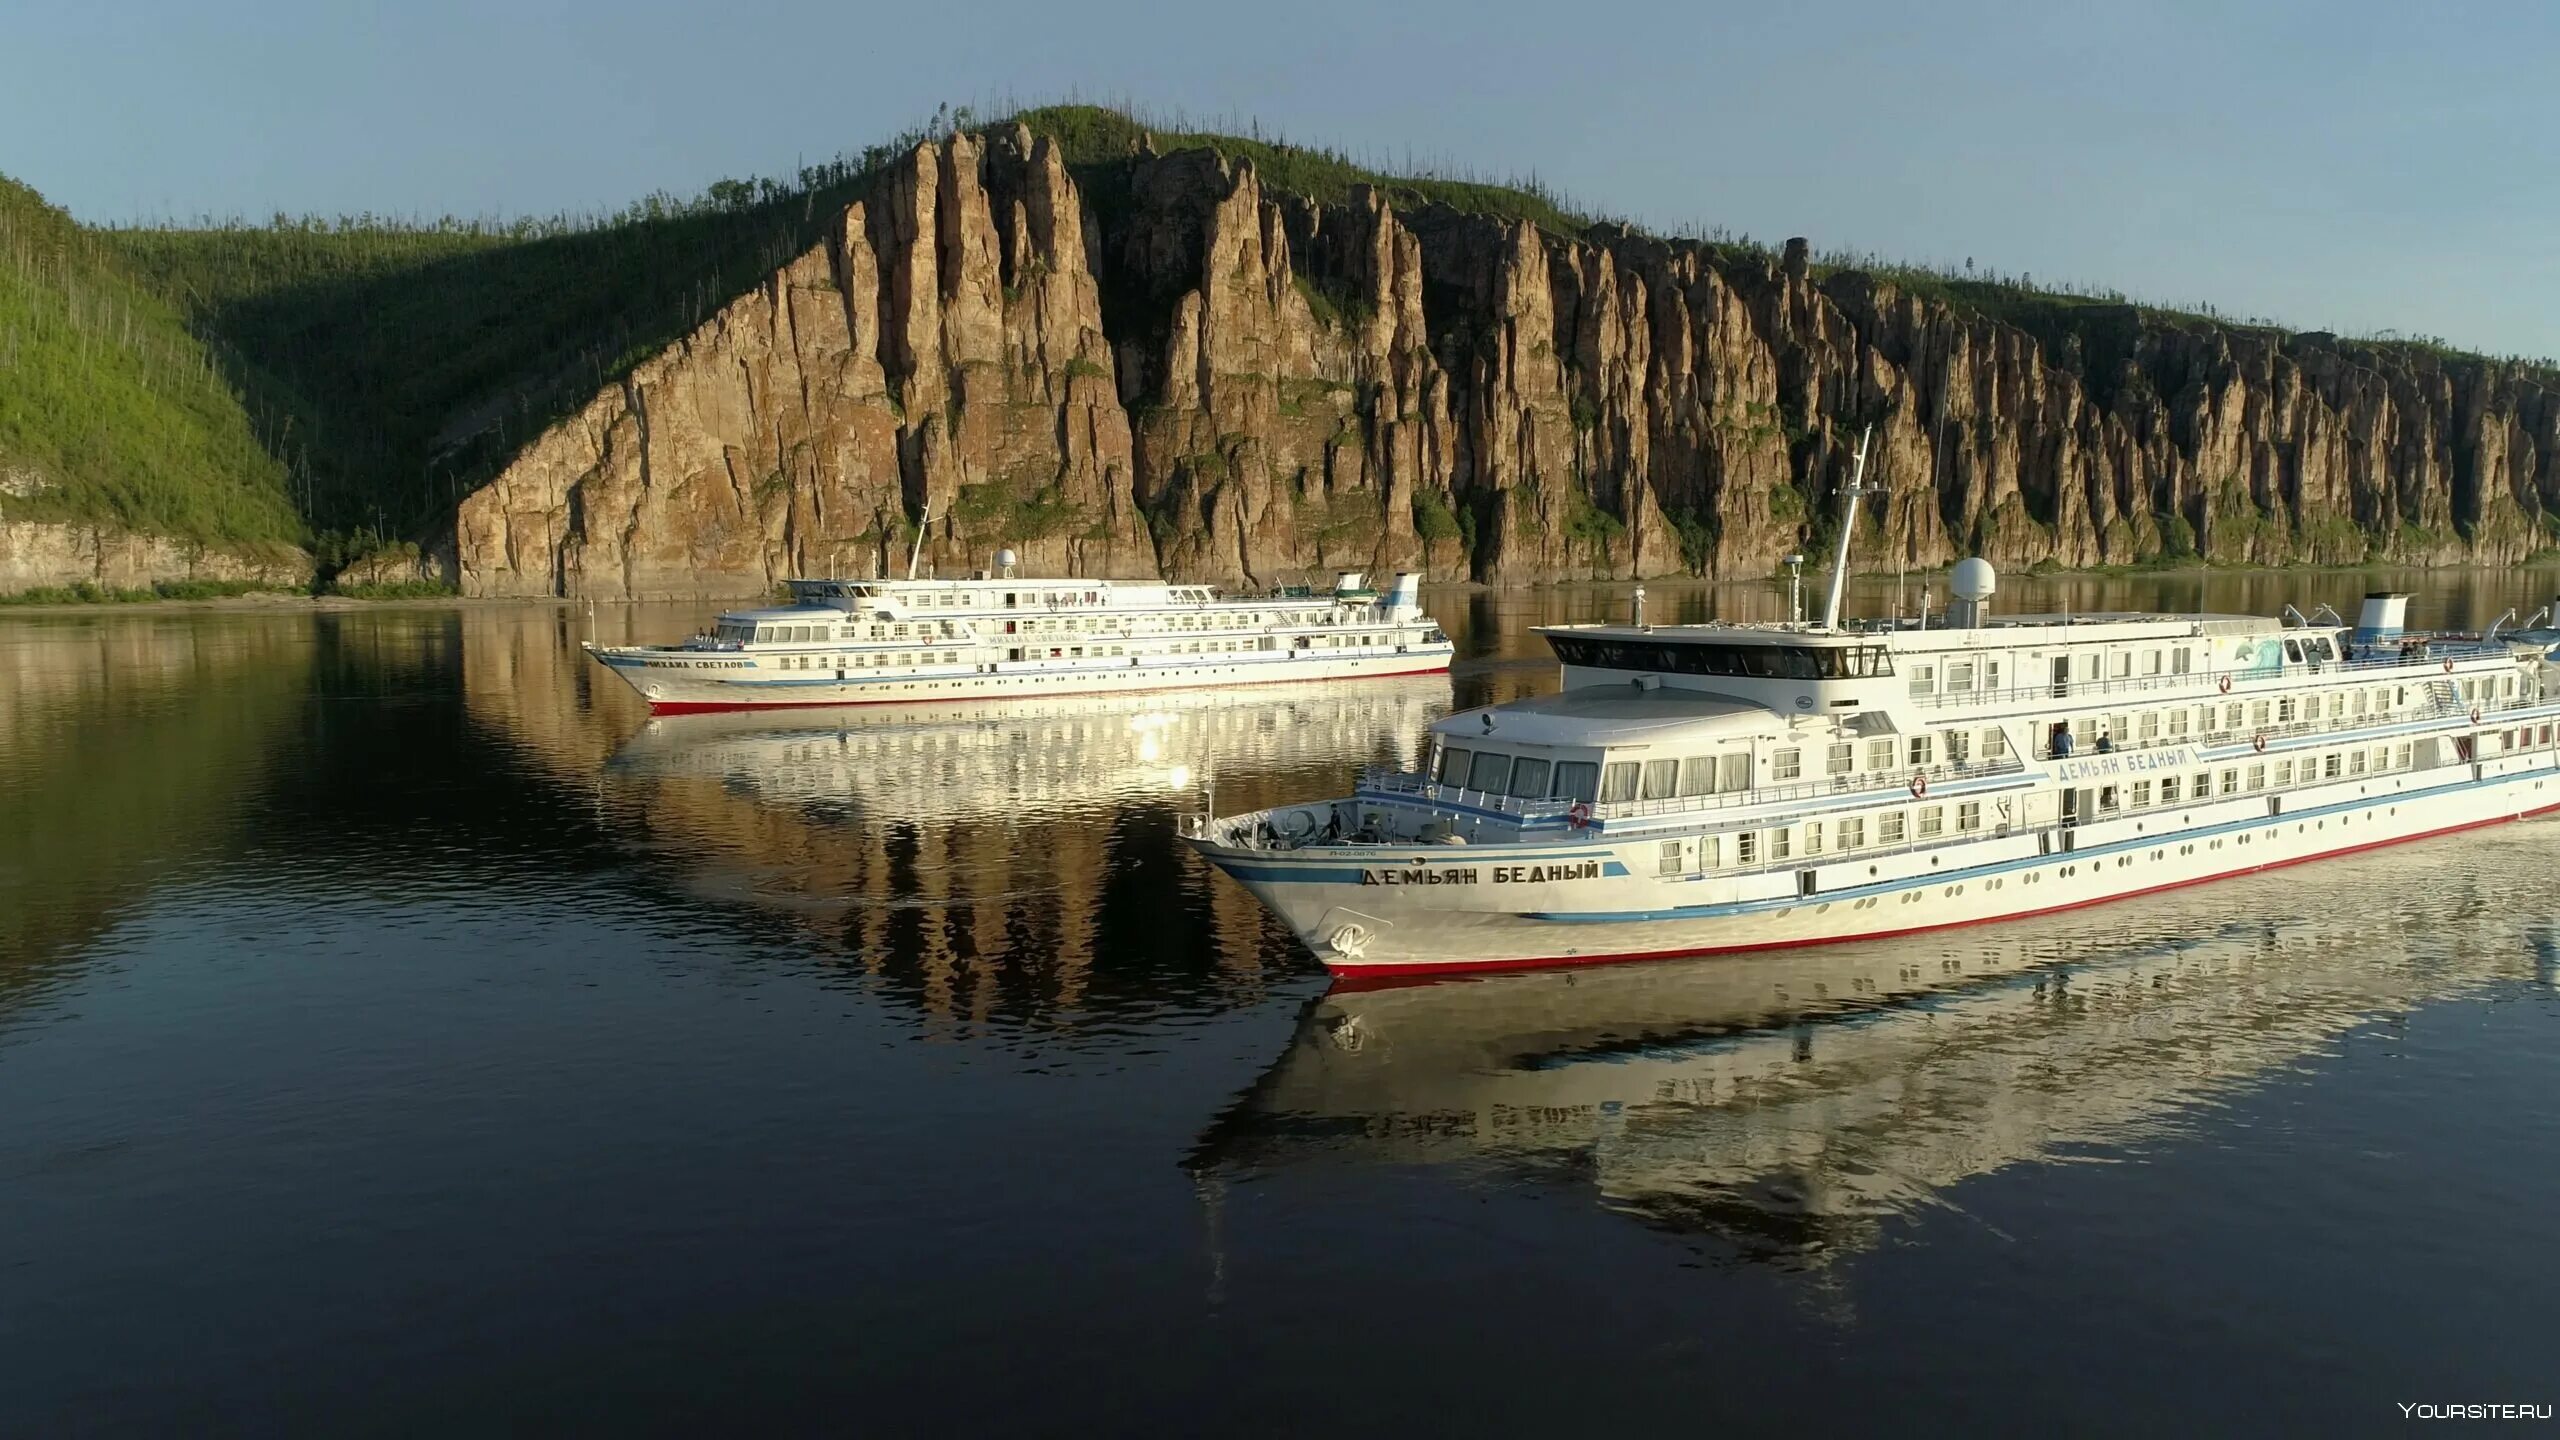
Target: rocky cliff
42, 555
1153, 365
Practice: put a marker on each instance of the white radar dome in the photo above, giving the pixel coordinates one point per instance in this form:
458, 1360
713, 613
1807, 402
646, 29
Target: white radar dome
1006, 559
1973, 579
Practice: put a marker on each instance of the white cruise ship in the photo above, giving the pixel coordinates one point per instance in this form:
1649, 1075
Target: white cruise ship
1722, 787
861, 642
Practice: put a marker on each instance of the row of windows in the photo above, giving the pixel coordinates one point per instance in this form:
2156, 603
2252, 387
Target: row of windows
2186, 721
1815, 838
1763, 662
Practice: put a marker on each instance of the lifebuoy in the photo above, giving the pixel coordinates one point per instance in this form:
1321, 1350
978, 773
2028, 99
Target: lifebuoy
1578, 814
1919, 785
2258, 743
2475, 714
2225, 683
2448, 667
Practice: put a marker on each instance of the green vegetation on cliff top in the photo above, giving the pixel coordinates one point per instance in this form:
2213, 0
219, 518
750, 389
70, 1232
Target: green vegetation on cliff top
343, 381
110, 410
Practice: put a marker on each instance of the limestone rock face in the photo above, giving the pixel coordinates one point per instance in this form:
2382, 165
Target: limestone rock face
38, 554
1206, 379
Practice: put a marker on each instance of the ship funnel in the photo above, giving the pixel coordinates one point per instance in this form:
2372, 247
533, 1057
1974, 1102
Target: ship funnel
1346, 580
2381, 620
1969, 589
1406, 593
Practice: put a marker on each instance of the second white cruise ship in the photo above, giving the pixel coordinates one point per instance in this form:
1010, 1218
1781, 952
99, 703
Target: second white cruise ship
859, 642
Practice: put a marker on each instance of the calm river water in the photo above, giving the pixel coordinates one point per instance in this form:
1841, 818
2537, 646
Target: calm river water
401, 1033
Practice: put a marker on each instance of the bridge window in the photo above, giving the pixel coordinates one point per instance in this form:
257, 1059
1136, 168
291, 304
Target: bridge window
1529, 779
1453, 767
1661, 779
1618, 783
1577, 780
1491, 773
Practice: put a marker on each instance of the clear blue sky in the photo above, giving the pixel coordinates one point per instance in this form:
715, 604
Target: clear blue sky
2356, 164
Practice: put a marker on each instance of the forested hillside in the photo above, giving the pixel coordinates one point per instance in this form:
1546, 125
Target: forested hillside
110, 409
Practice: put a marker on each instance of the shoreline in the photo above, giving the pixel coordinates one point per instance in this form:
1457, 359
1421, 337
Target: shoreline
276, 602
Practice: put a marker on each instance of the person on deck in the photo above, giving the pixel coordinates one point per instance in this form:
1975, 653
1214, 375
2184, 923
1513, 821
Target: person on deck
2060, 745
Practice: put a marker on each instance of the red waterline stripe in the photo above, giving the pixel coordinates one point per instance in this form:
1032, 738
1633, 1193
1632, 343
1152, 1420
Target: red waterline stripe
1353, 977
704, 707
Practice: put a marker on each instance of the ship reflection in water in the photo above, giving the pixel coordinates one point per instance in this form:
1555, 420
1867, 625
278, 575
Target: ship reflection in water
1001, 861
1058, 758
1788, 1107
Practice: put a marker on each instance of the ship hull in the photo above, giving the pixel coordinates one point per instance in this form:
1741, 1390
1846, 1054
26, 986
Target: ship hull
672, 686
1382, 912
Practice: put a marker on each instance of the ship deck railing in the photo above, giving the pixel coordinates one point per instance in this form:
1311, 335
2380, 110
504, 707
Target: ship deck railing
2440, 705
1386, 781
2432, 652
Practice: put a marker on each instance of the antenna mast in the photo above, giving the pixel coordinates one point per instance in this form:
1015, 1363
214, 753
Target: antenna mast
918, 553
1848, 527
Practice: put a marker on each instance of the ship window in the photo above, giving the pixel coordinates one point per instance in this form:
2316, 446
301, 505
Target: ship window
2231, 781
1453, 766
2177, 722
1813, 837
1733, 772
1923, 749
2180, 662
2402, 757
1990, 674
1889, 828
1746, 849
1933, 821
2293, 651
2284, 773
2141, 794
2355, 762
2120, 665
1618, 783
1880, 754
2201, 788
1671, 857
1529, 779
1492, 773
1698, 775
2329, 767
2168, 789
1710, 853
1959, 746
2257, 777
1959, 676
2150, 662
1851, 833
1995, 743
2150, 725
2258, 713
1969, 815
1786, 764
1577, 780
1661, 779
1924, 679
1839, 758
1779, 843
